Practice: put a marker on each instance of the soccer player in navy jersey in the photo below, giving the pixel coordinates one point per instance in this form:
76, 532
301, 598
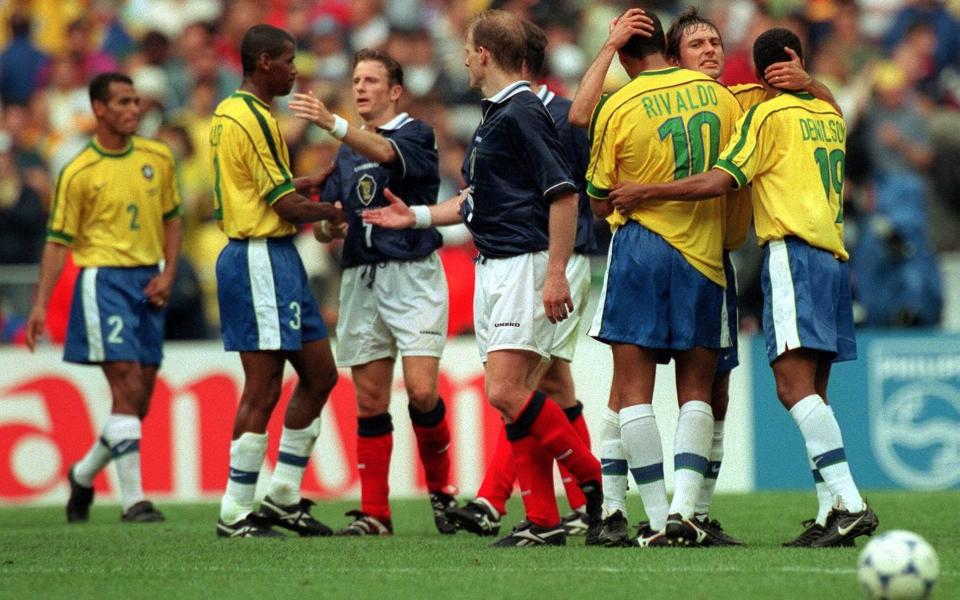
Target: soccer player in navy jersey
520, 204
393, 296
482, 514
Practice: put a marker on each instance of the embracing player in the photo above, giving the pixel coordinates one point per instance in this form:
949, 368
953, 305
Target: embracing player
792, 148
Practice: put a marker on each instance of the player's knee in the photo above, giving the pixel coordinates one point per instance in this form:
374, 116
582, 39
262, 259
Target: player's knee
504, 398
325, 381
372, 402
422, 396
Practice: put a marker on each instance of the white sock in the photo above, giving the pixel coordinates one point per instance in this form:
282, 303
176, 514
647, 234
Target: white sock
824, 497
295, 448
96, 458
246, 459
613, 464
705, 499
644, 452
691, 449
122, 433
824, 442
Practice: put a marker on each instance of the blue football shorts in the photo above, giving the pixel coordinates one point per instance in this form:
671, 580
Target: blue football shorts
653, 298
265, 301
112, 320
806, 300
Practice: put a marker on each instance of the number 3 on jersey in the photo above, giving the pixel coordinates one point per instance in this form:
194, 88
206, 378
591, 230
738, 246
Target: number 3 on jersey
689, 150
831, 173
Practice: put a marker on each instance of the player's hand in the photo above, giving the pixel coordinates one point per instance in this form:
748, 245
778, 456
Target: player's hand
626, 197
396, 215
633, 22
556, 297
309, 107
158, 289
314, 183
788, 75
36, 323
324, 231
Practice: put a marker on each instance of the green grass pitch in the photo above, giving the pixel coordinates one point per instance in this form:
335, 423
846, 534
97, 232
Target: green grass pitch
43, 557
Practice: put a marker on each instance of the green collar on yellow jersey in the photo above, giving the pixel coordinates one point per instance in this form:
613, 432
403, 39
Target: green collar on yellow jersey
243, 94
662, 71
803, 95
111, 153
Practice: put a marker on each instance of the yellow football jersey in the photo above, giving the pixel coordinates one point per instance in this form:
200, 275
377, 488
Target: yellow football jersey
792, 148
109, 206
251, 169
666, 124
738, 210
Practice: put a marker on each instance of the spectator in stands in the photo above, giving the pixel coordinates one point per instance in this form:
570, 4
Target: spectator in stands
20, 64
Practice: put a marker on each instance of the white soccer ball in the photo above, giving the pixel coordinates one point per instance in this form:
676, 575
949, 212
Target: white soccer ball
898, 565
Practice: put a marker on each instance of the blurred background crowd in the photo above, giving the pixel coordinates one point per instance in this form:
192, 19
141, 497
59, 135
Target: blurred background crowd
893, 65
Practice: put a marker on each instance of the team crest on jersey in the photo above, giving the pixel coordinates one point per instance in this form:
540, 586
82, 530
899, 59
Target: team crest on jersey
147, 171
366, 188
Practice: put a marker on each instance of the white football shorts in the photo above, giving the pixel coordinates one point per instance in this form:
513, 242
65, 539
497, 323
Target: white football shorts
386, 308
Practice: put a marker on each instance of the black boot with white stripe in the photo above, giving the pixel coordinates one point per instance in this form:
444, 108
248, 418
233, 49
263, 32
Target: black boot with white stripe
526, 533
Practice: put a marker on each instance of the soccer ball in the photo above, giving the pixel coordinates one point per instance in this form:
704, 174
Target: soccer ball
898, 565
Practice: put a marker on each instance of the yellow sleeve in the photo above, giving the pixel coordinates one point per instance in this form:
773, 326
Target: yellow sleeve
273, 180
740, 158
65, 214
603, 153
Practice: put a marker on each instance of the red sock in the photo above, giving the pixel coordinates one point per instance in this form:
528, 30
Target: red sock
501, 473
535, 473
547, 423
374, 447
433, 443
575, 496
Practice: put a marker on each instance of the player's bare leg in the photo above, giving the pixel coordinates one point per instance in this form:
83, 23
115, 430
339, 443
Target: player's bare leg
428, 416
695, 369
557, 384
634, 375
800, 375
283, 504
263, 377
539, 433
719, 401
373, 382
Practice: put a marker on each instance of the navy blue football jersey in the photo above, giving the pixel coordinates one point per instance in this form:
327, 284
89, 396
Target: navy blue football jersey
358, 183
514, 166
576, 144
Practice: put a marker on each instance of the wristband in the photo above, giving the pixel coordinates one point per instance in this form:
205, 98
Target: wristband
339, 128
421, 216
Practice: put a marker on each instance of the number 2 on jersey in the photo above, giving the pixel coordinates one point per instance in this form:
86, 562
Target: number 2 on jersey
689, 150
831, 174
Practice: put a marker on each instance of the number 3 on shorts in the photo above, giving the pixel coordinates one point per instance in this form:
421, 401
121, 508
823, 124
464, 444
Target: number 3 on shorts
295, 321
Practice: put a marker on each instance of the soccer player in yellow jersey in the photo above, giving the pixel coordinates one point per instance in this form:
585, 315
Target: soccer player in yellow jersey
792, 148
267, 312
663, 292
117, 207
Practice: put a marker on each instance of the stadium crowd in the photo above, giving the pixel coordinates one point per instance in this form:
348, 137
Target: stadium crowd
893, 66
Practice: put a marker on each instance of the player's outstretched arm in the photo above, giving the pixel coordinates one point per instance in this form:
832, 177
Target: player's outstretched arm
562, 232
790, 75
398, 215
296, 209
159, 287
51, 265
370, 144
625, 197
634, 21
